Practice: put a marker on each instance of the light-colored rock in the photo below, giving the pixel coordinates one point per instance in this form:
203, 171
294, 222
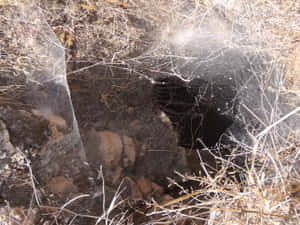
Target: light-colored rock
129, 151
165, 119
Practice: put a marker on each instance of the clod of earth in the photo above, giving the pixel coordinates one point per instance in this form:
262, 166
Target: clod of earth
107, 148
112, 151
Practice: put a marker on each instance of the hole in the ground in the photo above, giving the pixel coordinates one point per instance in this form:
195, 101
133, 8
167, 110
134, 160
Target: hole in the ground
196, 110
117, 104
198, 121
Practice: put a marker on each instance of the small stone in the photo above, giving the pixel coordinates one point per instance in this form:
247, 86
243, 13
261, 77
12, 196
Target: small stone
165, 119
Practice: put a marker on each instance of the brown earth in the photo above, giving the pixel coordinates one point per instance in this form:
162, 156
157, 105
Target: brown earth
120, 126
122, 131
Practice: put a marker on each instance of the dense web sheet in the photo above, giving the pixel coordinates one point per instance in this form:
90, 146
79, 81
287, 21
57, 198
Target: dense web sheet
34, 65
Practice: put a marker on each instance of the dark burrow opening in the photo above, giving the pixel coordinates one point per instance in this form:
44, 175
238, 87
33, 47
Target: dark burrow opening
198, 117
197, 120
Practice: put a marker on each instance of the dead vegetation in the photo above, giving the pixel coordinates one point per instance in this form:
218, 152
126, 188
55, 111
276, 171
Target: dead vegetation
118, 33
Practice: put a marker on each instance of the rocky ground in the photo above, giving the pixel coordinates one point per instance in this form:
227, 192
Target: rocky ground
125, 136
92, 133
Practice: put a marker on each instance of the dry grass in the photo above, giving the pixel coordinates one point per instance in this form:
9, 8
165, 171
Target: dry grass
118, 31
270, 195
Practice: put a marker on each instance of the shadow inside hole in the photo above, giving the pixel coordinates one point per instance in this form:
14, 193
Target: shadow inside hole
198, 121
197, 118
